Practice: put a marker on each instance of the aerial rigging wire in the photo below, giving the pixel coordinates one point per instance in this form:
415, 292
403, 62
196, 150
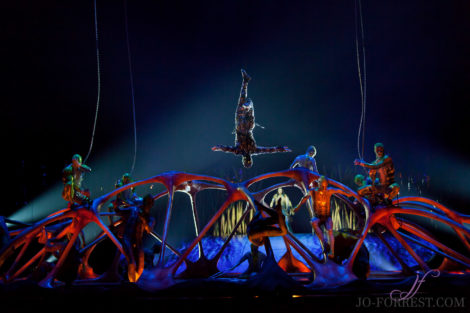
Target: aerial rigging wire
98, 82
132, 85
362, 75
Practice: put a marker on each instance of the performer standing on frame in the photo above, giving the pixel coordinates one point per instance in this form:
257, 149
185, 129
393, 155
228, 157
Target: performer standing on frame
306, 160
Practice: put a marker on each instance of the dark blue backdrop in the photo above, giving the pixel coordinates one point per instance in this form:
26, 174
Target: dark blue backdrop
187, 57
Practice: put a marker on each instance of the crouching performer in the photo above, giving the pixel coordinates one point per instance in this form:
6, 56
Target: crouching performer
127, 197
260, 228
72, 177
382, 167
245, 144
255, 260
366, 189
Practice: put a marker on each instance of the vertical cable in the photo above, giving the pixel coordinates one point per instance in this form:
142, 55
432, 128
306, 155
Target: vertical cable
132, 85
99, 82
362, 76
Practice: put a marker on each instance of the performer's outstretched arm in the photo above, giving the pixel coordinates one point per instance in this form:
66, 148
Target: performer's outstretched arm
263, 150
341, 192
296, 162
376, 166
305, 198
85, 168
228, 149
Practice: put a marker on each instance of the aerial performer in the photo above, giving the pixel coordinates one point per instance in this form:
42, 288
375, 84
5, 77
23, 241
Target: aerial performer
72, 177
384, 169
245, 144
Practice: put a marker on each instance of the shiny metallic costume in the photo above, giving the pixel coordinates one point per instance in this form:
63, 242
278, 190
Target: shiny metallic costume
72, 177
382, 167
245, 144
127, 197
322, 210
366, 189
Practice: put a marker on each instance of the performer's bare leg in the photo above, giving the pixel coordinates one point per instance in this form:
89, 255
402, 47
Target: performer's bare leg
318, 231
393, 191
244, 89
265, 229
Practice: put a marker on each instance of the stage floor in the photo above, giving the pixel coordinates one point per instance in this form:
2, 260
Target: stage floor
238, 295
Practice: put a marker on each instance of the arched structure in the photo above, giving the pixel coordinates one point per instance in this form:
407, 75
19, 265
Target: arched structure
43, 249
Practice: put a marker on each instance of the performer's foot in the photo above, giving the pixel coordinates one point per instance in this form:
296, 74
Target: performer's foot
131, 273
245, 76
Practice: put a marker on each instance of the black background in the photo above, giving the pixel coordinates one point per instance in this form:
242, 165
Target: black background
186, 59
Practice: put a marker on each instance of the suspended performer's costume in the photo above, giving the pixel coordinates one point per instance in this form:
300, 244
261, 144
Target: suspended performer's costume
245, 144
72, 177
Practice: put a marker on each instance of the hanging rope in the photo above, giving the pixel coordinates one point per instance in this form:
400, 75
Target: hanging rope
132, 85
362, 75
99, 83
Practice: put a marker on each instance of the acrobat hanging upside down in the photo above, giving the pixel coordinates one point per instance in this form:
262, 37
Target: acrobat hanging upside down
245, 144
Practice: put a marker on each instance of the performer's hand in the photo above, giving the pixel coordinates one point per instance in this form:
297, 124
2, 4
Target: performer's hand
284, 149
357, 162
85, 168
216, 148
